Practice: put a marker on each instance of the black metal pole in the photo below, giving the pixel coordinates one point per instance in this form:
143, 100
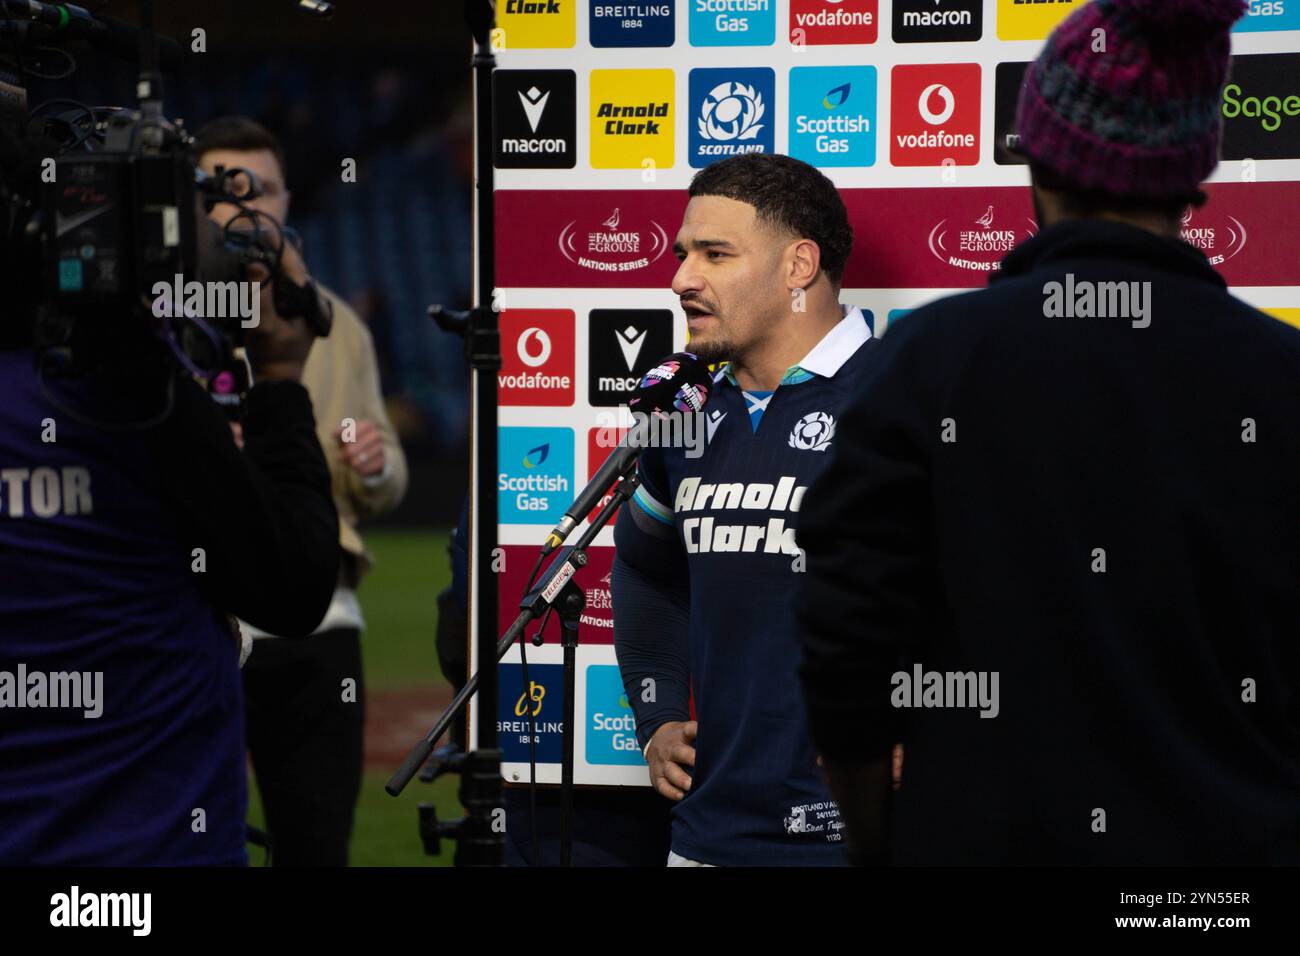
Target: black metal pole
483, 345
570, 617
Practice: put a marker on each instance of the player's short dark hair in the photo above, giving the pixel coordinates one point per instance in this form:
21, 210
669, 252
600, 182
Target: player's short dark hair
239, 133
788, 194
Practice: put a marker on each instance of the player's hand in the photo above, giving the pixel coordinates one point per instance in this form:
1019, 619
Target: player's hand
365, 454
670, 751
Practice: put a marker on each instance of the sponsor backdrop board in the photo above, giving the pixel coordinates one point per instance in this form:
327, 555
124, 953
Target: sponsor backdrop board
604, 111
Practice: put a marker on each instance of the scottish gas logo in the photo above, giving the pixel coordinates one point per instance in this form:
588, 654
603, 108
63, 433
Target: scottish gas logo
833, 115
733, 22
1270, 15
535, 477
611, 726
733, 113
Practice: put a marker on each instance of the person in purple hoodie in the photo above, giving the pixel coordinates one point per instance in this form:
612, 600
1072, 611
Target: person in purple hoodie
124, 546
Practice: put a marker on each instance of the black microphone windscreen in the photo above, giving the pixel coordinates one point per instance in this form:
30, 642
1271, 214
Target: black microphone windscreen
681, 382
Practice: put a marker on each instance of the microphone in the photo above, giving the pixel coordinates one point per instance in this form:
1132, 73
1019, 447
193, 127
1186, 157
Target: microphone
681, 382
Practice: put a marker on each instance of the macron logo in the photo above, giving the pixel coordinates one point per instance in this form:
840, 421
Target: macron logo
534, 104
630, 341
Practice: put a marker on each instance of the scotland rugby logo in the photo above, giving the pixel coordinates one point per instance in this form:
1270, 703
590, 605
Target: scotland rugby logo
813, 432
731, 111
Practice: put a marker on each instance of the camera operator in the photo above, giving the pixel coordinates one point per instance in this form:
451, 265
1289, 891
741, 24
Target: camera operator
130, 527
304, 735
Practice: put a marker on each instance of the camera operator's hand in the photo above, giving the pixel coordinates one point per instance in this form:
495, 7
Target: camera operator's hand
278, 347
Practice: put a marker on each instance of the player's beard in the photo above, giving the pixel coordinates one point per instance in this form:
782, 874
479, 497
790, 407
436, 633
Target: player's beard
711, 351
714, 347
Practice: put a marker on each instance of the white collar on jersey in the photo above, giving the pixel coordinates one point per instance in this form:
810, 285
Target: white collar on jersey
838, 345
829, 355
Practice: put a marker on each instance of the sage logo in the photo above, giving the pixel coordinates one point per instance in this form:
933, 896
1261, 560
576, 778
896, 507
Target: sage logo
536, 119
1270, 15
732, 113
631, 24
938, 21
535, 479
624, 344
733, 22
833, 115
1261, 107
611, 726
542, 701
1008, 81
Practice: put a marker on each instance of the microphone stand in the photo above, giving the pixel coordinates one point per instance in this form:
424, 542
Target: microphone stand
481, 842
554, 589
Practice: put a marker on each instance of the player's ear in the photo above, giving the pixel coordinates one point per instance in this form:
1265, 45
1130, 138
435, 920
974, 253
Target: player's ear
804, 263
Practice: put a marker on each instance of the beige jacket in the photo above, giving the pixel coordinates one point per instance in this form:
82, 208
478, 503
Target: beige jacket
342, 377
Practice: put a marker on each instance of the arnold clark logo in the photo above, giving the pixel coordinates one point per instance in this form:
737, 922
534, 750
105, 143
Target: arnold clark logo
611, 727
535, 482
538, 24
824, 22
980, 243
632, 119
1220, 240
733, 22
614, 244
1033, 19
833, 115
1270, 15
732, 110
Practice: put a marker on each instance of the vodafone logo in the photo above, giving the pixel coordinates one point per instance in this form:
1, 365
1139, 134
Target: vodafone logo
539, 369
935, 114
948, 100
543, 347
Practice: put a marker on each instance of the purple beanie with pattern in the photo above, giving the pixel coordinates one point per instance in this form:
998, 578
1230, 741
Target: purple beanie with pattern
1142, 119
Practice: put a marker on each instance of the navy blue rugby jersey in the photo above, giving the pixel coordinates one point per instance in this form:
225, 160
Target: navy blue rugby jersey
729, 516
95, 583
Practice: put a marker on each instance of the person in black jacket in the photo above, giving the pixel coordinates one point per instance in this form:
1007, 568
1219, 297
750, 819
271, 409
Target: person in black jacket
1058, 551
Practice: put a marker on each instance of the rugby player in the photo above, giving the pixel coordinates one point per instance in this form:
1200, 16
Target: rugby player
706, 556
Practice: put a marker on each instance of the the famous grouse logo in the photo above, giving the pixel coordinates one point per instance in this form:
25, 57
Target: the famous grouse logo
1220, 241
614, 245
978, 245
